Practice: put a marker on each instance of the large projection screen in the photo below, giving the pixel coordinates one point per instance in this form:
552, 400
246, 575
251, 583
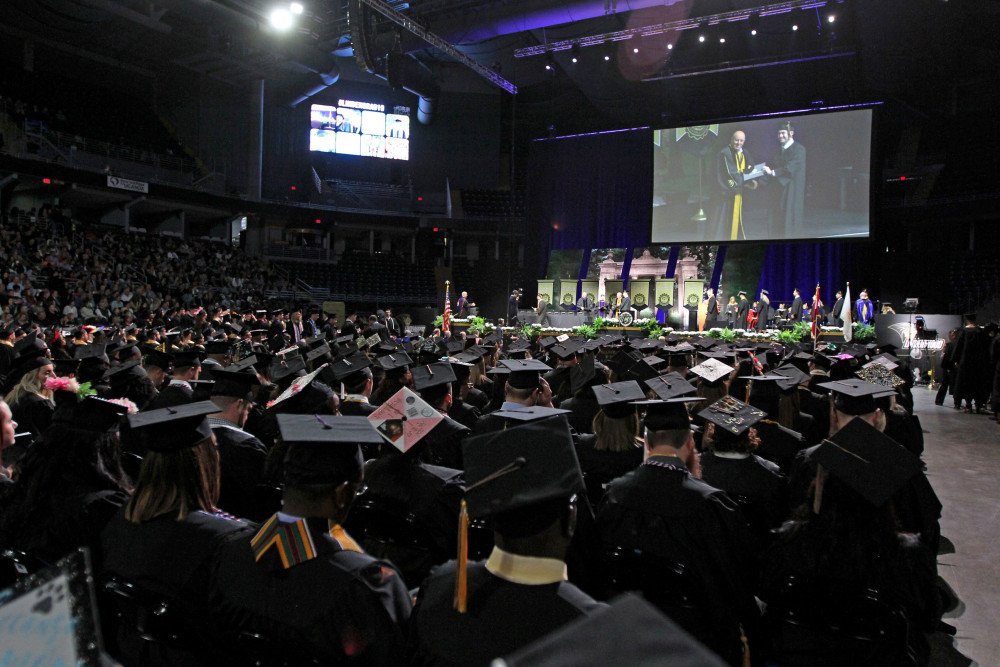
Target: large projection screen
814, 187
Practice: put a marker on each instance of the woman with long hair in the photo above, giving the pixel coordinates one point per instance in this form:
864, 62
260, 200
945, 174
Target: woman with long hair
70, 482
163, 539
29, 400
615, 447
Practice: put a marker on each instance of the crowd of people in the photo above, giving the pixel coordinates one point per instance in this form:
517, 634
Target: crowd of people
209, 454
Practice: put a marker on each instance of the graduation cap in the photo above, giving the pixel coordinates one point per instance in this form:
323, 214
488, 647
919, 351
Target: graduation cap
92, 414
455, 347
591, 345
647, 344
185, 358
492, 339
623, 361
794, 374
616, 398
529, 413
324, 449
468, 357
887, 360
582, 374
524, 372
237, 384
462, 371
867, 461
671, 385
641, 371
547, 342
121, 375
856, 397
565, 351
712, 371
319, 351
519, 467
667, 415
351, 368
242, 365
64, 367
218, 346
154, 357
93, 353
731, 415
878, 374
305, 395
396, 362
282, 369
433, 380
174, 428
653, 640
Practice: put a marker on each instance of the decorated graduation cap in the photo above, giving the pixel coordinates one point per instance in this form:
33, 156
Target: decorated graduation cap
712, 371
667, 415
516, 476
324, 449
306, 394
856, 397
433, 380
524, 372
670, 385
732, 416
867, 461
879, 374
237, 384
92, 414
617, 399
174, 428
653, 640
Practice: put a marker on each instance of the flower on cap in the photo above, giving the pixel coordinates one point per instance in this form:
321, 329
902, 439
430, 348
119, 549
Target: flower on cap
129, 406
82, 391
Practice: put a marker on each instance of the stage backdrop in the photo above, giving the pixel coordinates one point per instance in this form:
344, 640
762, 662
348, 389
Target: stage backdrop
545, 289
590, 287
639, 291
611, 289
664, 296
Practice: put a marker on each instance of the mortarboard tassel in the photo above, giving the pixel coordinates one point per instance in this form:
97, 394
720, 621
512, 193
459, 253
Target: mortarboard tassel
461, 578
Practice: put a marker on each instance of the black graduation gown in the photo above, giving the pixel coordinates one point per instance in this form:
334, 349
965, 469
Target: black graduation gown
974, 376
356, 408
601, 467
582, 410
789, 194
666, 512
742, 312
802, 550
443, 445
502, 616
795, 312
340, 602
33, 413
778, 444
463, 413
169, 558
756, 484
432, 494
477, 398
242, 458
559, 383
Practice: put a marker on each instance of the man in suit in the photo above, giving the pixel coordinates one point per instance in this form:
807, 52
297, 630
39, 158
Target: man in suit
512, 303
711, 309
393, 326
542, 311
838, 307
732, 164
795, 313
763, 310
787, 168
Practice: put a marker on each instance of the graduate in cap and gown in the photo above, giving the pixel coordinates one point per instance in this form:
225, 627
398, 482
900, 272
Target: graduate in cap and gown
300, 579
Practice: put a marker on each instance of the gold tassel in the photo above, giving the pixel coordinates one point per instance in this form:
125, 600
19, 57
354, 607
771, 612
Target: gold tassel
461, 583
746, 648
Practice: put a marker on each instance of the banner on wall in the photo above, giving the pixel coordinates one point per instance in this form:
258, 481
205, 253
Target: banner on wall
545, 289
567, 293
589, 287
663, 296
639, 291
693, 290
611, 289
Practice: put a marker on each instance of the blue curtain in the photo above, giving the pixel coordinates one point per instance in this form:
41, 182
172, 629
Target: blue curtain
591, 191
802, 265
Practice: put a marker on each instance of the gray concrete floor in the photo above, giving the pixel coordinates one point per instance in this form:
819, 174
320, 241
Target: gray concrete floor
962, 452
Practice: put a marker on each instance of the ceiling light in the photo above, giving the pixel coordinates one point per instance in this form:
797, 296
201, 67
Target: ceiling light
281, 19
670, 47
722, 40
575, 50
831, 18
795, 27
607, 57
296, 8
635, 50
701, 38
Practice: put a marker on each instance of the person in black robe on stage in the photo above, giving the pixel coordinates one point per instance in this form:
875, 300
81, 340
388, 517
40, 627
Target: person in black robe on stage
164, 538
838, 308
742, 311
786, 171
512, 307
973, 372
711, 310
527, 478
763, 310
300, 580
664, 510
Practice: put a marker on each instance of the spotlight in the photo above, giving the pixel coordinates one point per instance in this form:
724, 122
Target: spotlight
831, 18
281, 19
575, 51
296, 8
607, 57
795, 27
754, 21
635, 50
722, 40
670, 47
701, 38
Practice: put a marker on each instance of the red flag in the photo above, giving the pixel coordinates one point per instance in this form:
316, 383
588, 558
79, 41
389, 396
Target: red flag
446, 319
815, 329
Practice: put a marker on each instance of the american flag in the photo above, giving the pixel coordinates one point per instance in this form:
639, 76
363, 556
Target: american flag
446, 319
815, 310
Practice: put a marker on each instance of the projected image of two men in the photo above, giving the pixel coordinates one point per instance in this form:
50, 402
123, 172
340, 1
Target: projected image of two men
776, 178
